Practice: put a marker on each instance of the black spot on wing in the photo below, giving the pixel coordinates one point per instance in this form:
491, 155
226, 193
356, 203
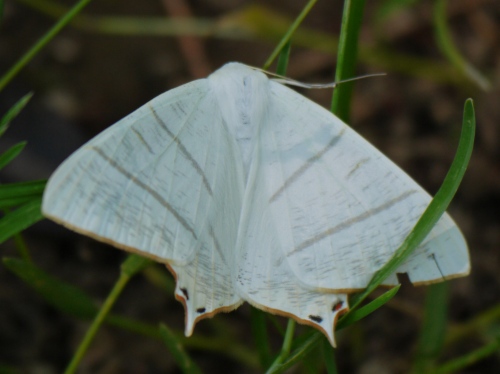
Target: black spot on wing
185, 292
316, 319
201, 310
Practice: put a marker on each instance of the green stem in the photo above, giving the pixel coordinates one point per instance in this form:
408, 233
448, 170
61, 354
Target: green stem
42, 42
347, 52
287, 345
22, 248
91, 332
288, 35
456, 365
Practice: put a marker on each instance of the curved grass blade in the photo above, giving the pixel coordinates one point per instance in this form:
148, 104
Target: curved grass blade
297, 354
132, 264
288, 35
422, 228
20, 219
13, 112
456, 365
41, 43
360, 313
435, 209
11, 154
61, 295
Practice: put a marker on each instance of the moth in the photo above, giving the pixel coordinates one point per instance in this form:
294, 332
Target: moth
248, 191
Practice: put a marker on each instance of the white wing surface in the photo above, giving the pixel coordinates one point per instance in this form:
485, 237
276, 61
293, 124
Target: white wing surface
246, 190
166, 182
336, 208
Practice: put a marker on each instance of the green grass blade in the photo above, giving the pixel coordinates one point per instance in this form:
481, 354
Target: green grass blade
329, 357
434, 328
347, 52
283, 59
357, 314
69, 299
60, 295
11, 154
435, 209
22, 189
456, 365
177, 350
13, 112
482, 322
445, 43
20, 219
129, 266
297, 355
288, 35
41, 43
259, 332
134, 264
13, 202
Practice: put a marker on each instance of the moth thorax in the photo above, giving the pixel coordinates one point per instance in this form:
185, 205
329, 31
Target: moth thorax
242, 96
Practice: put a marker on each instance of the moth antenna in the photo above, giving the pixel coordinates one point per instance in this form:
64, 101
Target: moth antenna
292, 82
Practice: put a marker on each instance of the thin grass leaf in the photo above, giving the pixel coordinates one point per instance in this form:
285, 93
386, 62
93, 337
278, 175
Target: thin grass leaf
13, 112
179, 355
456, 365
297, 355
129, 266
12, 202
435, 209
357, 314
57, 293
283, 58
433, 329
134, 264
41, 43
15, 194
11, 154
69, 299
347, 53
30, 189
20, 219
329, 358
445, 43
259, 332
288, 35
481, 322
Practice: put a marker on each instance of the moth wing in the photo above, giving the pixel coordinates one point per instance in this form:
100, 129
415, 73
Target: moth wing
338, 207
163, 181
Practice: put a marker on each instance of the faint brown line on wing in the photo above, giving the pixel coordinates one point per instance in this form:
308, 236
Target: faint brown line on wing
357, 166
350, 222
216, 243
183, 150
310, 161
144, 186
143, 141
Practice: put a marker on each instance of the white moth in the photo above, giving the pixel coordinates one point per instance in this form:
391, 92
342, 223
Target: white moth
248, 191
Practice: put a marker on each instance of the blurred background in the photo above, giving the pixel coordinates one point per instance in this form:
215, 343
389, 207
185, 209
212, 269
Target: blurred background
120, 54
